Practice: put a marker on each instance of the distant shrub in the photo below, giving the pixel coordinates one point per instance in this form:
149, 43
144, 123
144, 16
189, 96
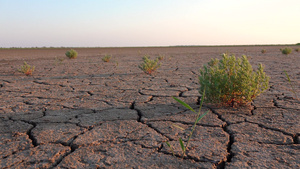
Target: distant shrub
286, 50
292, 86
26, 69
106, 58
263, 51
149, 65
160, 57
58, 60
72, 54
232, 81
297, 50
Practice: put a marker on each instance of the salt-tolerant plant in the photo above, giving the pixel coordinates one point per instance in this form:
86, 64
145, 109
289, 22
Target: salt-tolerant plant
286, 50
297, 50
148, 66
106, 58
26, 69
197, 119
232, 81
72, 54
263, 51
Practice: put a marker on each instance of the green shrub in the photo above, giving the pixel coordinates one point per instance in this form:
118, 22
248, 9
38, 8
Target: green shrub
72, 54
26, 69
106, 58
263, 51
149, 65
297, 50
286, 50
232, 81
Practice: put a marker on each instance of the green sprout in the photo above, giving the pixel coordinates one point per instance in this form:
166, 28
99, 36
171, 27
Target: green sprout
198, 118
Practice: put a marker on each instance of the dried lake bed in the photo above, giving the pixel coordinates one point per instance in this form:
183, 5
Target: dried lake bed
86, 113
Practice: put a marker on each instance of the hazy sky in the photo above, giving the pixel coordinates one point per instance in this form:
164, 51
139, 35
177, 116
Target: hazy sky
90, 23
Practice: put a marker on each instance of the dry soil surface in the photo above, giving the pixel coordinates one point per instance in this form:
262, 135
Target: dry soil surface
86, 113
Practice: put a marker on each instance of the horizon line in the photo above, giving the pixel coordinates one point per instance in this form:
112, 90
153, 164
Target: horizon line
162, 46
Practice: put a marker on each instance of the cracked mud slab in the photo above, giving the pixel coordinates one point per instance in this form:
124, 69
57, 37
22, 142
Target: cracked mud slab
264, 156
99, 117
44, 156
125, 155
55, 133
121, 131
277, 119
85, 113
247, 132
12, 143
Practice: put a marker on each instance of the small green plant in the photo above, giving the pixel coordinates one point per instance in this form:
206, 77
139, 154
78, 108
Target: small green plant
117, 64
58, 60
72, 54
149, 65
263, 51
232, 81
170, 57
286, 50
297, 50
106, 58
26, 69
160, 57
198, 118
292, 86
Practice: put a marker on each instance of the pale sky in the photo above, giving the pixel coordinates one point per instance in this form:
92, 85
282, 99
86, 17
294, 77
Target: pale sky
117, 23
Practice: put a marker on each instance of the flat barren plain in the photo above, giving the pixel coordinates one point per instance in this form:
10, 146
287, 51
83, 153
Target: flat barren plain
86, 113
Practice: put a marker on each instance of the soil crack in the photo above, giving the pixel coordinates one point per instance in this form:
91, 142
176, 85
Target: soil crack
294, 136
222, 163
30, 135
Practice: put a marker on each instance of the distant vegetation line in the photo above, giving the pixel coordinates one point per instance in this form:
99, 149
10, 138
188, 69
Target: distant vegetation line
152, 46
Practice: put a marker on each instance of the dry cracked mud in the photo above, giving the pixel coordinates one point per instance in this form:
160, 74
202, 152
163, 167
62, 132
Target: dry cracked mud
85, 113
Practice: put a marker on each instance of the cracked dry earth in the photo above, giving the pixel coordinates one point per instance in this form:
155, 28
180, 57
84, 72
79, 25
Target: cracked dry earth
85, 113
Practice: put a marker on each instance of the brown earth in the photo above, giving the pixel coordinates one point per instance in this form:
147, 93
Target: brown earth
85, 113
